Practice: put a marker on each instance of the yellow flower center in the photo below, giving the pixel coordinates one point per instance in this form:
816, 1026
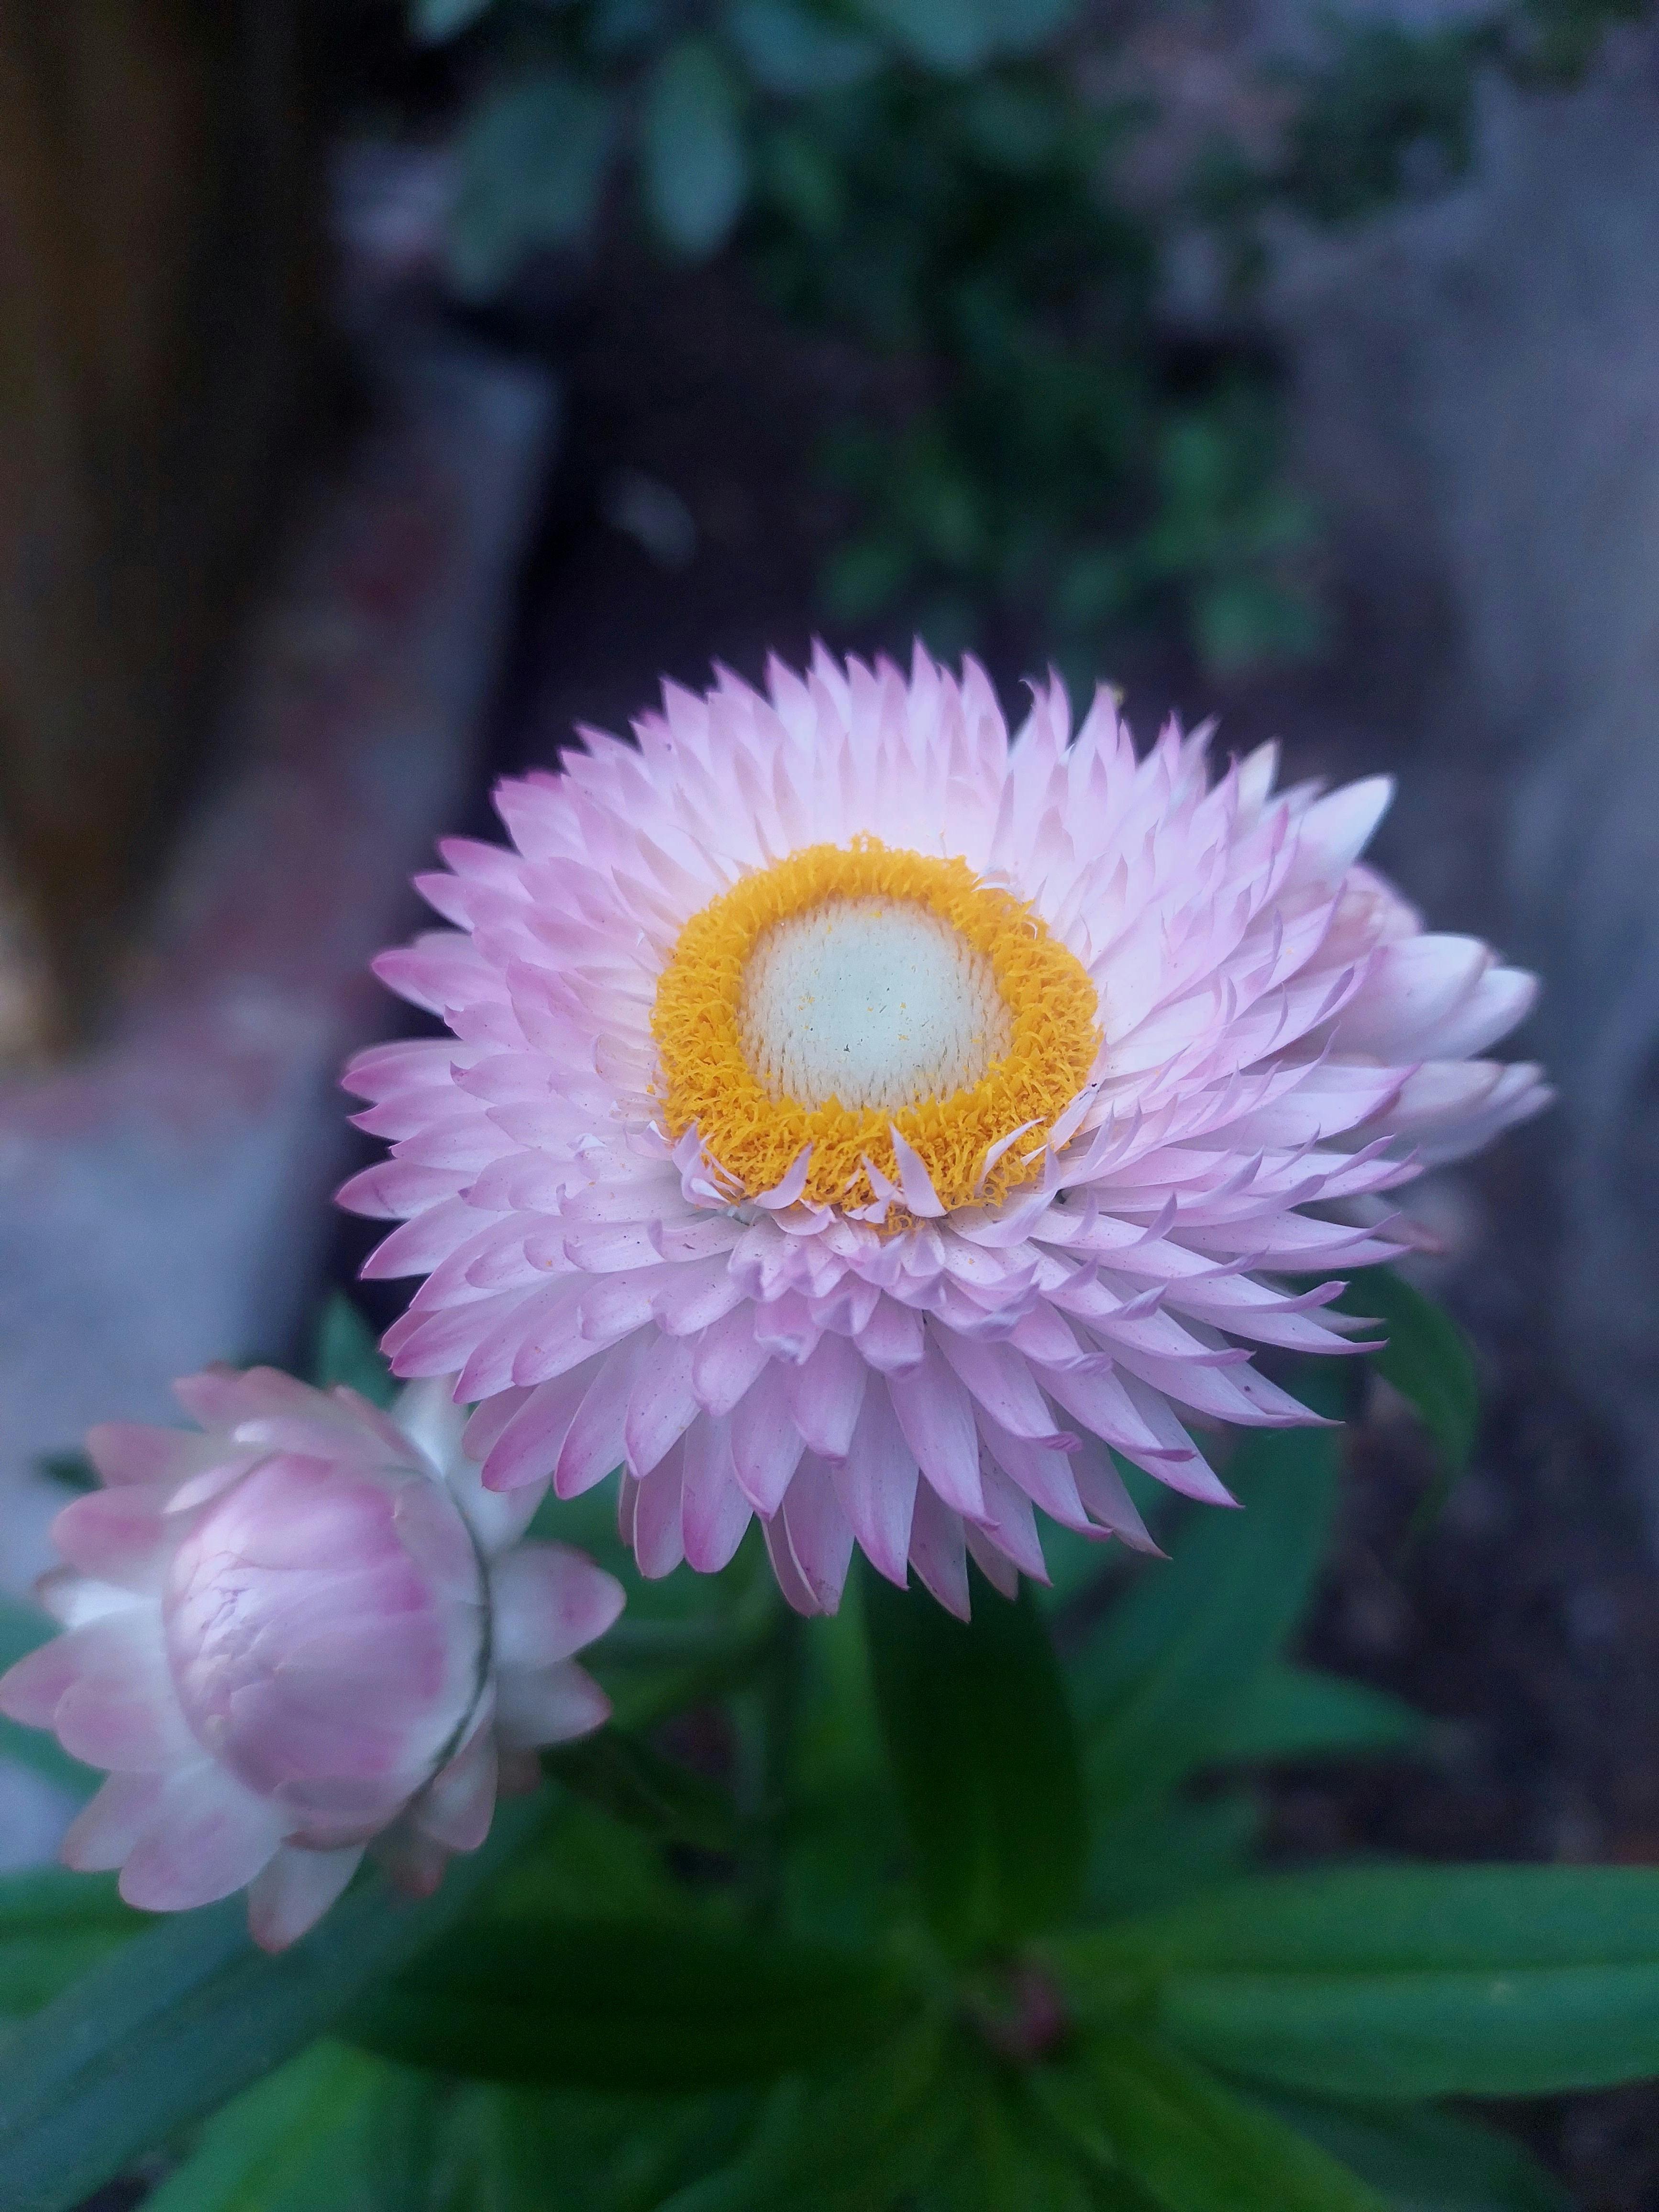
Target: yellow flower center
839, 995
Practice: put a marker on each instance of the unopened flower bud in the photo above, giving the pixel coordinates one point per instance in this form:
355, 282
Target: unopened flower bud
307, 1630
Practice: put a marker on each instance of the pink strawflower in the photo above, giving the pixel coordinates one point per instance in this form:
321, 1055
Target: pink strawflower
858, 1120
308, 1629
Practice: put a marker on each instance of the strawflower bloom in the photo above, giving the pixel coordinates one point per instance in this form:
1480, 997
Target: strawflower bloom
858, 1120
307, 1630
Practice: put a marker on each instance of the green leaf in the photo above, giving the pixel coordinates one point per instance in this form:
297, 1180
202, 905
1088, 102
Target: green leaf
532, 158
515, 2150
1386, 1982
1175, 1663
858, 2143
980, 1738
434, 20
1011, 2147
694, 168
1195, 2147
956, 36
1297, 1712
1428, 2161
54, 1925
71, 1469
23, 1629
1165, 1851
282, 2140
1075, 1563
792, 51
1427, 1358
182, 2017
864, 576
637, 1784
347, 1352
1239, 621
45, 1756
620, 2004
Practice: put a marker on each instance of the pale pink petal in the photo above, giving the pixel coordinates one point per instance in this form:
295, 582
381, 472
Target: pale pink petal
938, 1552
108, 1826
549, 1706
118, 1535
659, 1545
826, 1393
819, 1534
1001, 1382
727, 1362
1009, 1527
1335, 832
937, 1417
131, 1451
661, 1406
876, 1486
293, 1892
548, 1600
797, 1590
593, 1443
713, 1511
525, 1448
456, 1805
766, 1445
208, 1837
1103, 1491
993, 1563
414, 1860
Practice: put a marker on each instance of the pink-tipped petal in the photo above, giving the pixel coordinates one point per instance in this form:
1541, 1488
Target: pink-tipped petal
876, 1486
661, 1406
998, 1569
713, 1511
938, 1552
552, 1705
109, 1825
117, 1535
456, 1805
659, 1544
825, 1394
797, 1590
209, 1837
548, 1601
131, 1451
820, 1535
594, 1444
290, 1895
937, 1418
766, 1445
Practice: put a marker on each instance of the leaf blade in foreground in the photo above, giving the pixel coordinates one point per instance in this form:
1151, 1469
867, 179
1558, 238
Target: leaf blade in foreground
1386, 1982
181, 2018
629, 2005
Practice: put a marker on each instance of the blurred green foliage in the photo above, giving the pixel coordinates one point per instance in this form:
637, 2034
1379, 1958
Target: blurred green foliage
930, 179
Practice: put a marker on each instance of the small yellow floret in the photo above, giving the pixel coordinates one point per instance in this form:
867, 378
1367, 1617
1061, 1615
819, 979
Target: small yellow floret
705, 1077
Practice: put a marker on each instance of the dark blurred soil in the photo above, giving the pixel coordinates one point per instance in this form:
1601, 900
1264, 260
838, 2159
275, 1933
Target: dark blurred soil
1527, 1620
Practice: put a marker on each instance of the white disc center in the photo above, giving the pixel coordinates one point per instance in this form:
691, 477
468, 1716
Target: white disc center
872, 1001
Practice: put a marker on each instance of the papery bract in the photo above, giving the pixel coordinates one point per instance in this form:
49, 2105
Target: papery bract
305, 1631
855, 1118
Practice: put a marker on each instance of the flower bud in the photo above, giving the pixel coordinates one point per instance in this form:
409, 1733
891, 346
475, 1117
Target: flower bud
306, 1631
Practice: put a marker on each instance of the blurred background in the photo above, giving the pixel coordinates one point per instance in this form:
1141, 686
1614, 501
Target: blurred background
386, 389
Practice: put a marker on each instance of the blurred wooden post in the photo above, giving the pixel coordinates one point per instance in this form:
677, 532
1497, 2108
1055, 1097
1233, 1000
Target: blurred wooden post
158, 318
